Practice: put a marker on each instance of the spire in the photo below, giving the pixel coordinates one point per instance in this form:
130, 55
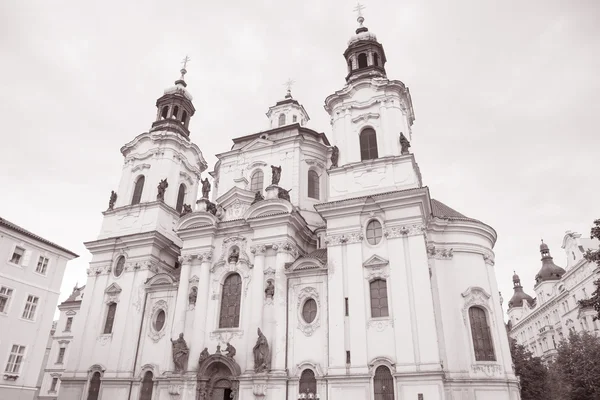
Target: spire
287, 111
519, 295
360, 19
549, 270
183, 70
288, 84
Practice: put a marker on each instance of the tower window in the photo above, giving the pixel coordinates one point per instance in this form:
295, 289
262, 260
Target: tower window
175, 112
362, 60
294, 118
230, 302
165, 112
110, 318
281, 119
350, 65
94, 390
368, 145
137, 191
482, 339
256, 182
184, 117
379, 300
180, 197
376, 59
313, 184
383, 384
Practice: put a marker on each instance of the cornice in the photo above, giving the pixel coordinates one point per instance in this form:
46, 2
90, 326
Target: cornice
445, 226
154, 238
378, 84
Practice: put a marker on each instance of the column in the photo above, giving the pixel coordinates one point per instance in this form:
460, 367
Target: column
199, 339
385, 134
257, 301
335, 304
350, 152
279, 337
182, 296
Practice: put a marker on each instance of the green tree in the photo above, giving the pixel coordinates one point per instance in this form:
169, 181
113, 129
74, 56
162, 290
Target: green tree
531, 371
594, 256
577, 367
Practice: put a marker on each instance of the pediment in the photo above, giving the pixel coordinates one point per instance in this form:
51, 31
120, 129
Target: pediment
235, 193
305, 264
113, 289
257, 144
268, 207
375, 262
160, 279
196, 220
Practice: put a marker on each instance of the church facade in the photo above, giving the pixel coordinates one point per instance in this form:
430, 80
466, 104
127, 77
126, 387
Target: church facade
308, 268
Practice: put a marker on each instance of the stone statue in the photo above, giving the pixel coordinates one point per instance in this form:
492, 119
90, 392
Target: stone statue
193, 295
258, 197
220, 214
218, 351
270, 290
186, 210
234, 256
404, 144
335, 155
205, 188
162, 188
204, 355
211, 208
113, 200
275, 174
180, 353
284, 194
230, 350
262, 356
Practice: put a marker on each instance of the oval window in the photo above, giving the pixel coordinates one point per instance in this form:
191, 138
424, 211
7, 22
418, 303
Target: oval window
309, 310
120, 266
159, 320
374, 232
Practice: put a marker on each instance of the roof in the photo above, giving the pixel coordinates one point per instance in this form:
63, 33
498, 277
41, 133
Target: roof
319, 254
76, 293
23, 231
440, 210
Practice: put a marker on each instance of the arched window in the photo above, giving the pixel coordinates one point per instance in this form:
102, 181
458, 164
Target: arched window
375, 59
180, 198
368, 144
383, 383
183, 117
281, 119
137, 191
119, 266
256, 182
482, 339
110, 318
362, 60
175, 112
313, 184
374, 232
147, 386
94, 389
379, 300
230, 302
308, 382
165, 112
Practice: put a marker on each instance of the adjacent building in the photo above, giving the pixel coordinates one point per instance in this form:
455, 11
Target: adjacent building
540, 323
318, 267
31, 272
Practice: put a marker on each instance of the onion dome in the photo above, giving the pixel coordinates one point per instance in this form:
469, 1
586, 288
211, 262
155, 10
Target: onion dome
519, 295
549, 270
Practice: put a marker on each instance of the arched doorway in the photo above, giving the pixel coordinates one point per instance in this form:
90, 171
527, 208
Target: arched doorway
218, 378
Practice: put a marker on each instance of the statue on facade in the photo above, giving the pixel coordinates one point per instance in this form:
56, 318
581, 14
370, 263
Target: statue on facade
258, 197
218, 351
205, 188
270, 290
204, 355
404, 144
262, 356
113, 200
275, 174
335, 155
211, 208
220, 214
185, 210
193, 295
180, 353
162, 188
234, 255
284, 194
230, 350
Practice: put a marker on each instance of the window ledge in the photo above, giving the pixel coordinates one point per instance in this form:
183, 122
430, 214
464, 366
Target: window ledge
14, 265
40, 274
10, 376
31, 321
234, 331
51, 391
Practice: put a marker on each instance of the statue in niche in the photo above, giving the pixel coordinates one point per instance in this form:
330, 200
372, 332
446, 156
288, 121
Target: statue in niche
204, 355
234, 256
180, 353
218, 351
211, 208
284, 194
205, 188
258, 197
275, 174
404, 144
186, 210
262, 357
193, 295
270, 290
162, 188
113, 200
230, 350
335, 155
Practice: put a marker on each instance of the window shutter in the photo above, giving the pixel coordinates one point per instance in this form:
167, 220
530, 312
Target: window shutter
26, 258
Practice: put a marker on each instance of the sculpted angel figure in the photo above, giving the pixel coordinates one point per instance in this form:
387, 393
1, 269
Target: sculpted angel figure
276, 174
162, 188
205, 188
404, 144
113, 200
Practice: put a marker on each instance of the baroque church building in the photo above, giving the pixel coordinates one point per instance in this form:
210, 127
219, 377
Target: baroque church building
310, 267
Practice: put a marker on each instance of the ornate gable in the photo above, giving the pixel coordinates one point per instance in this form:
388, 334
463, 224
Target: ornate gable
257, 144
375, 262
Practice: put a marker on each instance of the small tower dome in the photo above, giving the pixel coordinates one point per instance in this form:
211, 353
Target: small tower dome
287, 111
549, 270
519, 295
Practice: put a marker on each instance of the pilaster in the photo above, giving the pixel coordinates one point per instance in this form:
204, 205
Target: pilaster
279, 338
199, 330
182, 296
257, 301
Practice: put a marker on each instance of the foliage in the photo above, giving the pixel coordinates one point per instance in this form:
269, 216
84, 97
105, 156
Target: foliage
531, 371
594, 256
576, 371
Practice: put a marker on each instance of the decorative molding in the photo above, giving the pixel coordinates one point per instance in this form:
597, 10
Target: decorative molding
259, 390
439, 253
377, 361
175, 391
256, 164
71, 312
315, 163
489, 259
240, 242
380, 324
404, 230
377, 273
258, 250
152, 332
226, 335
140, 167
375, 262
269, 272
487, 369
186, 177
111, 293
345, 238
307, 293
365, 117
475, 296
61, 342
194, 280
240, 268
104, 338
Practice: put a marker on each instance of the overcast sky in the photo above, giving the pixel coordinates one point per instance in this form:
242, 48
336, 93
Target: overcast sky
506, 98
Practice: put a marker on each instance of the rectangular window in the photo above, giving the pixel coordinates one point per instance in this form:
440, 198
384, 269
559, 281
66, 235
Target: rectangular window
347, 356
42, 265
53, 385
68, 325
30, 307
17, 255
379, 301
13, 366
346, 307
110, 318
5, 296
61, 355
